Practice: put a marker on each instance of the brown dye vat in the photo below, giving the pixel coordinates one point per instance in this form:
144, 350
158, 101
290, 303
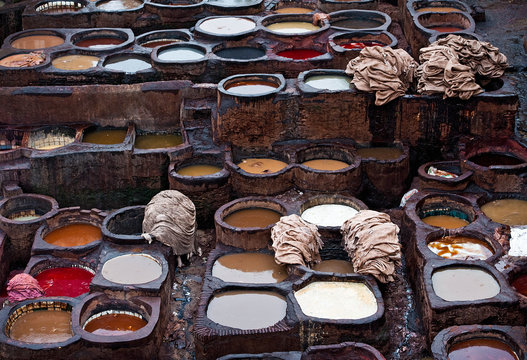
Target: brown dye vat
445, 221
342, 351
48, 326
428, 181
495, 159
99, 43
334, 266
114, 324
75, 62
446, 29
116, 5
520, 284
104, 136
125, 225
247, 310
481, 349
73, 235
380, 153
253, 268
157, 141
37, 42
464, 284
438, 9
22, 60
255, 217
346, 20
293, 10
507, 211
326, 164
461, 247
261, 165
198, 170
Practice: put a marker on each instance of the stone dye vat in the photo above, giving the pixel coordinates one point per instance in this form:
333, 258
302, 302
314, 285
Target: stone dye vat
342, 351
225, 26
65, 281
444, 211
50, 138
346, 20
127, 63
461, 247
103, 39
251, 232
150, 141
157, 38
104, 136
125, 226
456, 182
181, 58
508, 211
347, 45
281, 25
30, 40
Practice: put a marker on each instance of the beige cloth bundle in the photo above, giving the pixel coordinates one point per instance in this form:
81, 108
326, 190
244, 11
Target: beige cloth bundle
370, 239
170, 217
389, 72
295, 241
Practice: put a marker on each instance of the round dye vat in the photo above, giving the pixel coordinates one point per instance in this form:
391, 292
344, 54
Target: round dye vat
445, 29
495, 159
74, 235
329, 82
104, 137
328, 214
181, 54
292, 27
300, 54
240, 53
132, 269
507, 211
25, 217
444, 9
65, 281
326, 164
198, 170
357, 23
261, 165
227, 25
252, 217
59, 7
99, 43
22, 60
334, 266
464, 284
234, 3
116, 5
44, 326
251, 87
445, 221
159, 42
247, 309
37, 42
128, 64
114, 323
293, 10
461, 247
75, 62
157, 141
520, 284
380, 153
252, 268
360, 45
341, 300
481, 348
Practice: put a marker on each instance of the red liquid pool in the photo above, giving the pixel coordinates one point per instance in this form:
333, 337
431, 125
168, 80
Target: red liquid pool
300, 54
65, 281
520, 284
360, 45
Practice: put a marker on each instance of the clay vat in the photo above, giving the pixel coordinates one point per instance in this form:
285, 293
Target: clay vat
31, 210
329, 226
443, 6
180, 11
431, 23
248, 238
259, 178
342, 351
464, 34
329, 6
505, 337
324, 81
294, 7
64, 241
51, 312
456, 208
347, 178
262, 102
128, 63
97, 308
157, 38
498, 165
435, 182
228, 27
279, 26
233, 7
237, 57
358, 317
59, 7
385, 179
125, 226
504, 208
181, 59
346, 20
103, 39
50, 138
346, 46
118, 5
207, 192
36, 39
106, 136
148, 141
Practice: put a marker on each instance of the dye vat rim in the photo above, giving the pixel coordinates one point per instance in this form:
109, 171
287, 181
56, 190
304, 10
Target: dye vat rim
115, 33
488, 198
239, 204
330, 199
123, 10
335, 46
217, 4
240, 34
33, 32
204, 159
45, 63
54, 130
197, 4
78, 5
411, 5
223, 46
498, 167
122, 238
264, 21
152, 258
152, 36
114, 58
326, 350
464, 175
464, 34
52, 207
387, 20
279, 81
180, 44
281, 4
417, 22
306, 88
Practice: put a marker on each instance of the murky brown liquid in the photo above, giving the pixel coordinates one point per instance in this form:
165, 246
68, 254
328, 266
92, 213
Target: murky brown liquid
157, 141
198, 170
464, 284
74, 235
357, 23
496, 159
99, 43
334, 266
445, 221
104, 137
251, 87
293, 10
446, 29
252, 268
461, 247
507, 211
261, 165
247, 309
42, 326
438, 9
380, 153
37, 42
326, 164
114, 324
75, 62
481, 349
252, 217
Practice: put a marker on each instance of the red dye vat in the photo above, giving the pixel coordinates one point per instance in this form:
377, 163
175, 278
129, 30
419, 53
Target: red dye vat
360, 45
300, 54
65, 281
520, 284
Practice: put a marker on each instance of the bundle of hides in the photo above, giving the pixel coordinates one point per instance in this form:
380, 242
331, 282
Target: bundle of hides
170, 217
370, 239
389, 72
22, 287
295, 241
